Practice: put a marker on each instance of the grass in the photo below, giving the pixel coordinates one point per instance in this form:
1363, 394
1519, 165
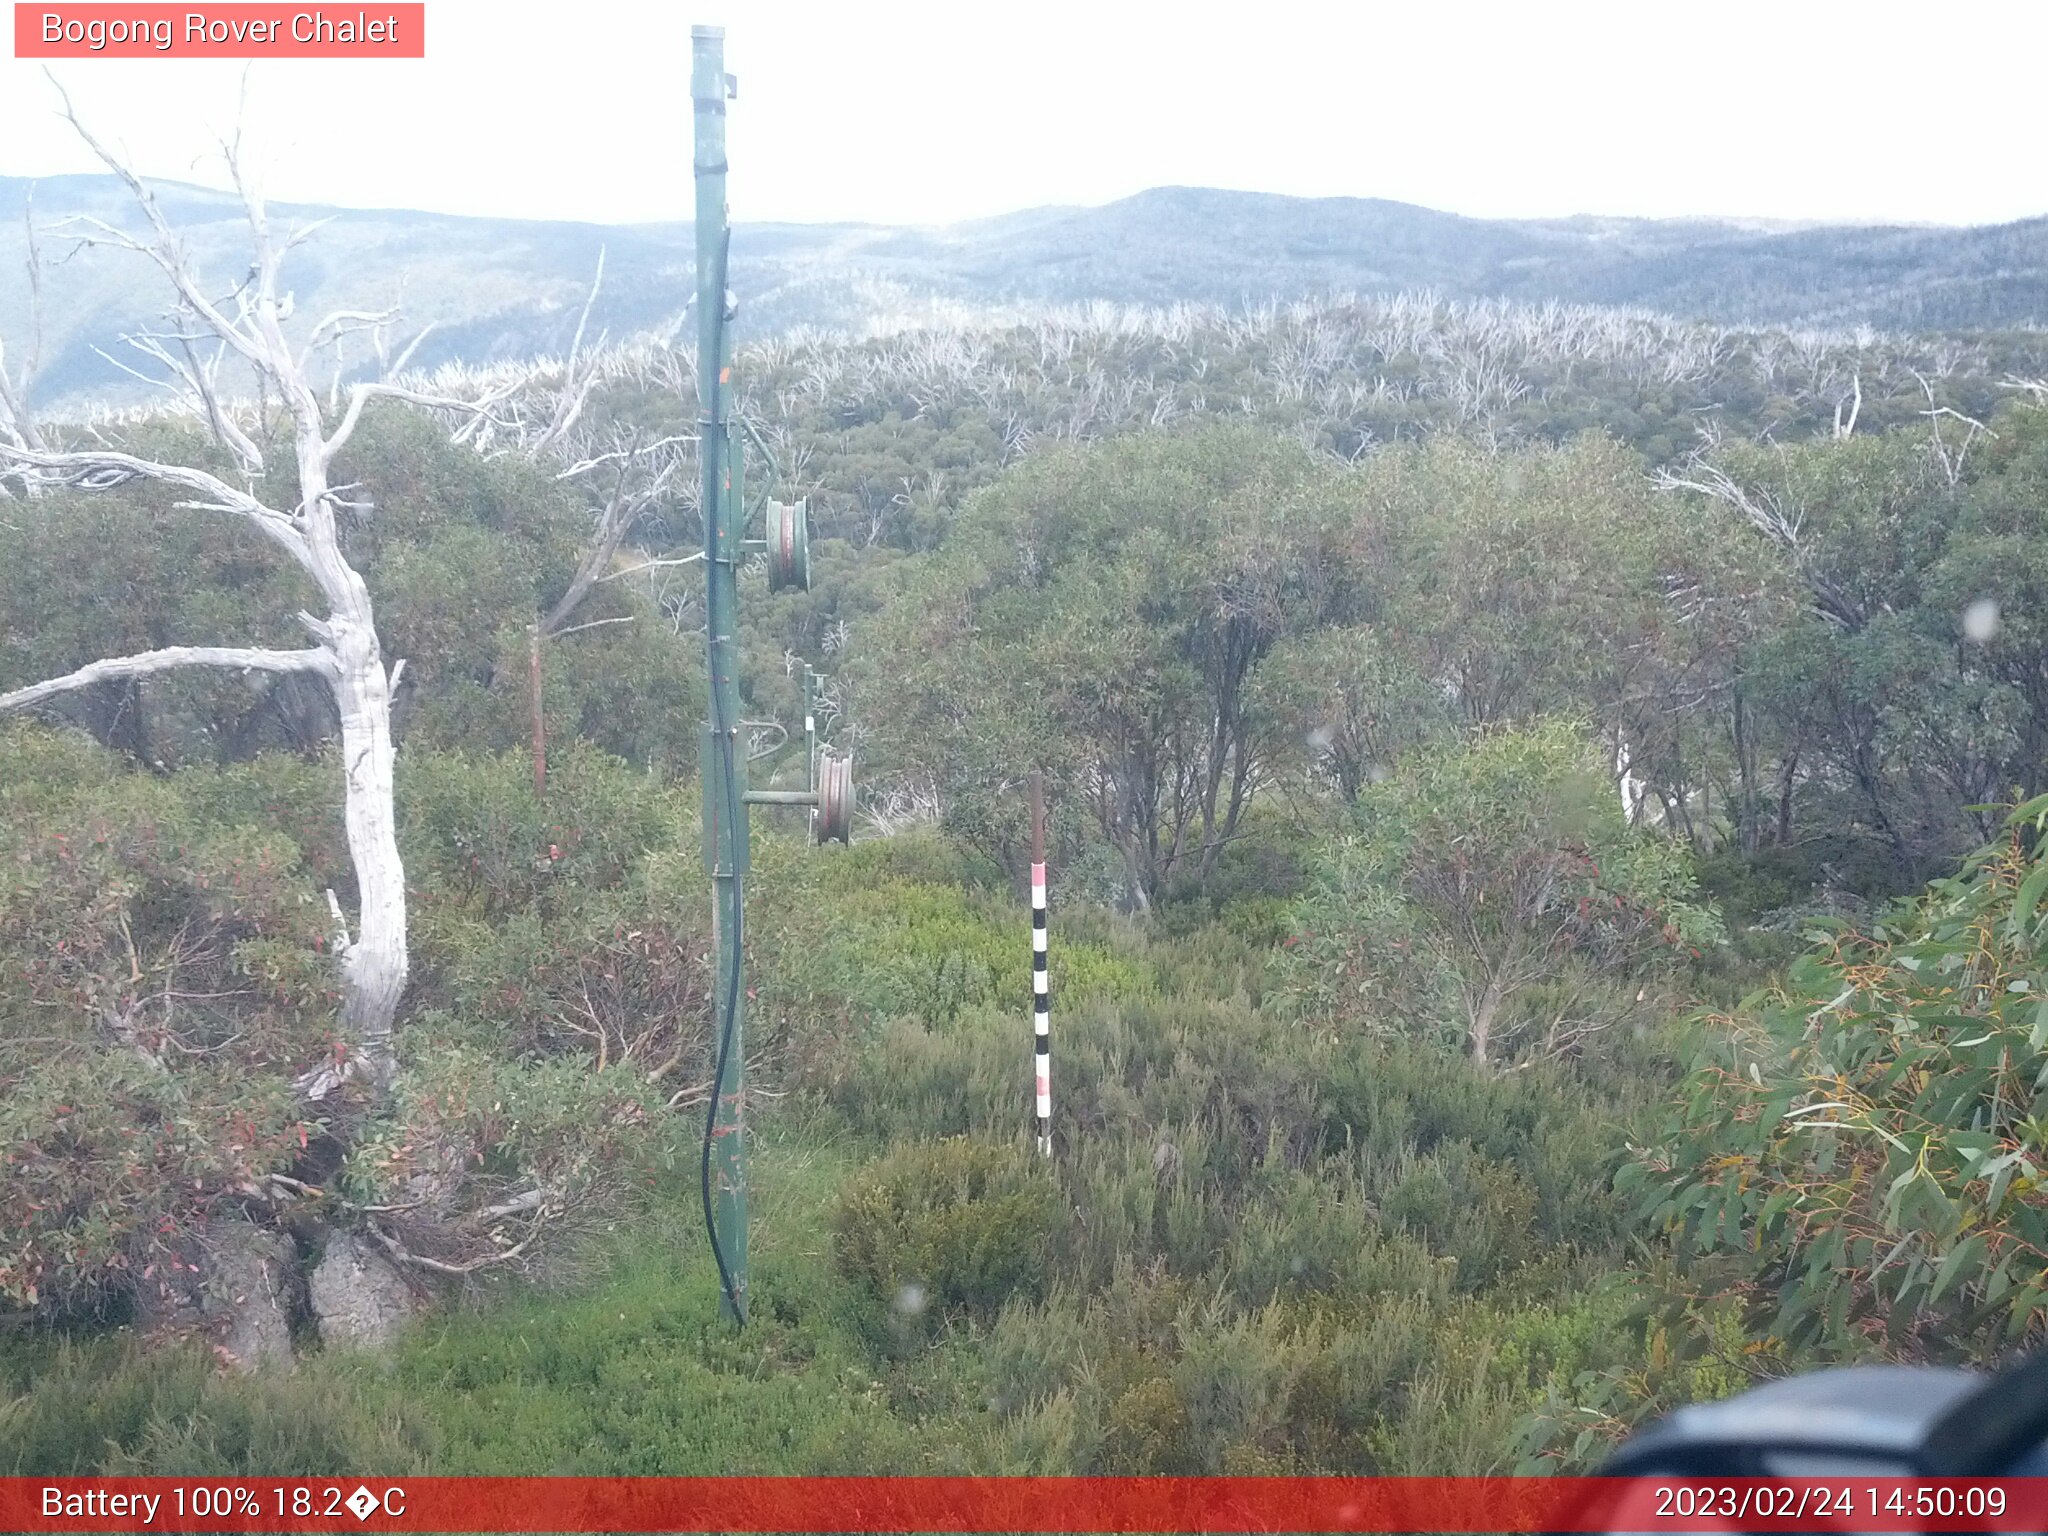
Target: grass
632, 1374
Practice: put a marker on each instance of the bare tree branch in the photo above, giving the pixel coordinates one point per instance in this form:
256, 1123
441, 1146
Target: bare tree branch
591, 624
16, 425
404, 1255
146, 664
1772, 516
651, 565
360, 395
101, 469
595, 461
628, 501
168, 251
576, 387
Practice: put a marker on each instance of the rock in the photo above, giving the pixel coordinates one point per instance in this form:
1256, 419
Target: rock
233, 1282
360, 1298
257, 1276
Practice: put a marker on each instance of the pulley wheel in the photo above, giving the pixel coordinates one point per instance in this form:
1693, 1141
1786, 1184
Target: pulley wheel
834, 816
789, 546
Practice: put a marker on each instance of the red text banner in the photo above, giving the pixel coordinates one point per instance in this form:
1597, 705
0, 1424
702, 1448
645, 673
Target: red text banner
225, 31
1023, 1504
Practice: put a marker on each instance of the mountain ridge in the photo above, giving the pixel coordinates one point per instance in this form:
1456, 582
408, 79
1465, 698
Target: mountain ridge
499, 288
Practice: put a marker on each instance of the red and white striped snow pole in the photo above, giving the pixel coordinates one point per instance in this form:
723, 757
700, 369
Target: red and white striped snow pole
1041, 995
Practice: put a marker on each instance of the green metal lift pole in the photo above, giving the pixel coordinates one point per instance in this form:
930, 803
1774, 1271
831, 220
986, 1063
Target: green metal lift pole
725, 817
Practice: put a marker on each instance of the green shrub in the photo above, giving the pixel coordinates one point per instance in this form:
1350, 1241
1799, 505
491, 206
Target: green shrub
613, 976
470, 1128
868, 931
114, 1406
1865, 1141
1481, 870
164, 974
1560, 1139
950, 1225
472, 829
1147, 1432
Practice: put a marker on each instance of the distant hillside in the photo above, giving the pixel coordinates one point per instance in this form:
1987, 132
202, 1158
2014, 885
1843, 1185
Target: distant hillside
499, 288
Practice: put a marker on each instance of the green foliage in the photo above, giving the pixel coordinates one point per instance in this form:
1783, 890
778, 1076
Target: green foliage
163, 975
1624, 1354
1302, 719
906, 926
1262, 1248
1913, 722
1364, 694
1522, 582
473, 827
1232, 1147
953, 1224
461, 554
1493, 887
1109, 606
471, 1127
1867, 1138
113, 1407
629, 1374
89, 575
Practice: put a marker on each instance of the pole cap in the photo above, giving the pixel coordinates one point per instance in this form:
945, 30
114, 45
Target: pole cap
707, 32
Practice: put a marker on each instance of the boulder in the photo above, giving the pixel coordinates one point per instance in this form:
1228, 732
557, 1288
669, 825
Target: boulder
257, 1274
232, 1282
360, 1298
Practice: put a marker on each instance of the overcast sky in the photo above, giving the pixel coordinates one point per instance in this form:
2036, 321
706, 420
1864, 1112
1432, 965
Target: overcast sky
926, 113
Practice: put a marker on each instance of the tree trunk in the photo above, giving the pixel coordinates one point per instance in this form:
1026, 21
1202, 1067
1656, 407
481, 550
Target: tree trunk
376, 963
1136, 898
1749, 831
348, 658
1479, 1035
1787, 777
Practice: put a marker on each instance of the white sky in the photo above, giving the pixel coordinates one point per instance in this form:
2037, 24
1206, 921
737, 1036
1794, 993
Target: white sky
901, 112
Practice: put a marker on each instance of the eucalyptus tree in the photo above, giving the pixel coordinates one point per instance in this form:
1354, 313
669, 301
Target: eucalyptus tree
1905, 682
1492, 883
1102, 612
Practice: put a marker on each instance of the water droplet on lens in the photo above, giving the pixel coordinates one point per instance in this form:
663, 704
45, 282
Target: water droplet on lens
1980, 620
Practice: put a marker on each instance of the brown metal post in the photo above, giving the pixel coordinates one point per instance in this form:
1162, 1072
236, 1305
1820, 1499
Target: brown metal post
540, 727
1037, 817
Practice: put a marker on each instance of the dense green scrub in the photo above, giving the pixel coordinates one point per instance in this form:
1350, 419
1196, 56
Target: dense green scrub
1259, 1248
1404, 812
1264, 1243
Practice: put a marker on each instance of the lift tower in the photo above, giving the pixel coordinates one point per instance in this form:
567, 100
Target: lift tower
725, 840
829, 790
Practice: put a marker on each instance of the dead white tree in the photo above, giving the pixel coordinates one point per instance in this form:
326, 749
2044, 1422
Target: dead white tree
641, 475
1778, 517
245, 325
1949, 457
17, 427
1849, 407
